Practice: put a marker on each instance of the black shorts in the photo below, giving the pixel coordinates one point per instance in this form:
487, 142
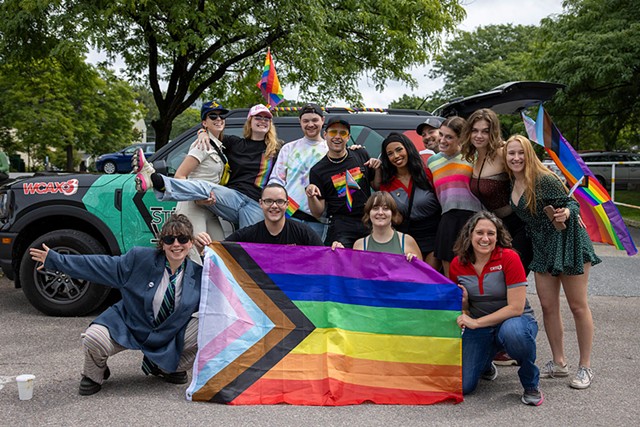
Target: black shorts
346, 230
450, 225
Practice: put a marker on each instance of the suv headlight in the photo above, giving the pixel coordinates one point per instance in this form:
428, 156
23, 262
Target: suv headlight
5, 200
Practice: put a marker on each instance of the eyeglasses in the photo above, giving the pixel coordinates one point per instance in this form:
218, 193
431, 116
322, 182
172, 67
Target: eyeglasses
270, 202
335, 132
214, 117
169, 239
262, 118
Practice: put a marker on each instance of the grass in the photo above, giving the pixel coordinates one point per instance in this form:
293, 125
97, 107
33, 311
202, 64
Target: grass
631, 197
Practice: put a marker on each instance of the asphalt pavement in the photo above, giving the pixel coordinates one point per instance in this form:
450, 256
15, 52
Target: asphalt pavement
50, 348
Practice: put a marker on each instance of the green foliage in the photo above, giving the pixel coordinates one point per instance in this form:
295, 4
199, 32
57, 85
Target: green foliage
50, 110
594, 49
485, 58
410, 102
322, 46
185, 121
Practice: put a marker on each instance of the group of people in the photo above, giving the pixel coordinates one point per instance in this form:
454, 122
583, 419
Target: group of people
475, 210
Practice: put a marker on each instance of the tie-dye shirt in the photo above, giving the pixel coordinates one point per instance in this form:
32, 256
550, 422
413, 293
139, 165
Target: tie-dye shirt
292, 168
450, 177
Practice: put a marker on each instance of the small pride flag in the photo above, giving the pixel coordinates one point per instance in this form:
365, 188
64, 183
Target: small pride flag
292, 207
351, 185
269, 84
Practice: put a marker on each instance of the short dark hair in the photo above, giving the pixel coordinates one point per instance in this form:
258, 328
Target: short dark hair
176, 225
275, 185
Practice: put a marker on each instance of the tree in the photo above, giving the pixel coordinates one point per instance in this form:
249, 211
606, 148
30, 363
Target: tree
46, 105
594, 48
322, 46
477, 61
411, 102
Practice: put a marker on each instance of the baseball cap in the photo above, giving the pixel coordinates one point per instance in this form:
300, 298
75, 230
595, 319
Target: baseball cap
212, 106
257, 109
311, 108
338, 120
433, 121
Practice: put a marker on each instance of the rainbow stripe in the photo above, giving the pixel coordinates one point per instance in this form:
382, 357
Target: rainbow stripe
320, 327
266, 164
349, 179
599, 213
292, 207
269, 84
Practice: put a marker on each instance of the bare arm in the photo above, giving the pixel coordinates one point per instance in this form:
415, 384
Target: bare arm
316, 204
188, 165
411, 248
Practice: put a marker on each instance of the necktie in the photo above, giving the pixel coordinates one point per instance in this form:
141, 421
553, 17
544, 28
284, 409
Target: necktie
166, 308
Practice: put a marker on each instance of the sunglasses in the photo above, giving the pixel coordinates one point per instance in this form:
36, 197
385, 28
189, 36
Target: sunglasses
214, 117
335, 132
169, 239
262, 118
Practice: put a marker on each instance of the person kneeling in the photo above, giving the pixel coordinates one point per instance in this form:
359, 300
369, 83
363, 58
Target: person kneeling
495, 312
160, 295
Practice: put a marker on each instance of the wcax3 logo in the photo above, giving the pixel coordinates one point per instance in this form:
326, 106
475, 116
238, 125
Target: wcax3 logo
68, 188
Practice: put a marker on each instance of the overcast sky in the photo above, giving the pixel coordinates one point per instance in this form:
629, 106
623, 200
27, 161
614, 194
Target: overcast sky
479, 13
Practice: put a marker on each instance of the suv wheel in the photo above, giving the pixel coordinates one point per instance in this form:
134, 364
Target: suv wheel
53, 292
110, 168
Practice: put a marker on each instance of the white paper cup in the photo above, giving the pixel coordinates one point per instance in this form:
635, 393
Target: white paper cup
25, 386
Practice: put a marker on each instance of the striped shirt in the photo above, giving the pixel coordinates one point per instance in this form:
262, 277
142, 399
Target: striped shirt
450, 177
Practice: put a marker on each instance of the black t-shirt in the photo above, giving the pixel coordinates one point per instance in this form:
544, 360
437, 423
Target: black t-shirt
250, 170
293, 233
330, 178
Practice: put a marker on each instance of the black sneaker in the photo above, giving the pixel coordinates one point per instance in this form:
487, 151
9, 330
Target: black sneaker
88, 386
173, 378
491, 373
532, 397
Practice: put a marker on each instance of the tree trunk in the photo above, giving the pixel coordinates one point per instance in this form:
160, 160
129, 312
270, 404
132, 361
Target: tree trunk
162, 126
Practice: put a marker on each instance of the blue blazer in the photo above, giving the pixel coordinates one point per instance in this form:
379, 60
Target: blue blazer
130, 321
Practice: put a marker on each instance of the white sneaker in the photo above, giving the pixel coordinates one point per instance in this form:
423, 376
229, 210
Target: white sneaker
552, 370
583, 378
144, 171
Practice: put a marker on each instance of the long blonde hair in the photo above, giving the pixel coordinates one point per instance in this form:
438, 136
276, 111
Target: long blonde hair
270, 139
533, 170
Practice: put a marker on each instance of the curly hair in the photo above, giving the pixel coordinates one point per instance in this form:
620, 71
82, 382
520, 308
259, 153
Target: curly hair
381, 198
176, 225
495, 136
463, 247
533, 170
270, 139
414, 162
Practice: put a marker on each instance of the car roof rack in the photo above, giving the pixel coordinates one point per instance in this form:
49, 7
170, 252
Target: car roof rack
238, 112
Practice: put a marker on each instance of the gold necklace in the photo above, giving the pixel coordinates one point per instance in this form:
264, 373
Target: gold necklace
338, 161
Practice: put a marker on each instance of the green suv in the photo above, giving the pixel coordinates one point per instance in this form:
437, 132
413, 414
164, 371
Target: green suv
103, 214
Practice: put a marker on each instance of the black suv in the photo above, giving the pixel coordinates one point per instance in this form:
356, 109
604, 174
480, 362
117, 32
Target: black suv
93, 213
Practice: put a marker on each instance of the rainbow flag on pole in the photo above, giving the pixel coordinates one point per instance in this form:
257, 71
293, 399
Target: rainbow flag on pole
599, 213
312, 326
269, 84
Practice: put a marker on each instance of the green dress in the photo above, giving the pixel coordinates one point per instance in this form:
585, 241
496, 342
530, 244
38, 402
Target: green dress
555, 252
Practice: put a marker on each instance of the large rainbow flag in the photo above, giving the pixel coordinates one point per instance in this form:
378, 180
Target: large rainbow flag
312, 326
599, 213
269, 84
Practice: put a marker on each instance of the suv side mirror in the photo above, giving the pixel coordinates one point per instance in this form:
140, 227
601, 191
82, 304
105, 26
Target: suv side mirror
160, 166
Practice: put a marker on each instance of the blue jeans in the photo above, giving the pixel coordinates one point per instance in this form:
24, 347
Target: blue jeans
231, 205
516, 336
319, 227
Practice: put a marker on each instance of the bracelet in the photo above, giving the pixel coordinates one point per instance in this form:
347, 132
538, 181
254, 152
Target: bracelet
202, 131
